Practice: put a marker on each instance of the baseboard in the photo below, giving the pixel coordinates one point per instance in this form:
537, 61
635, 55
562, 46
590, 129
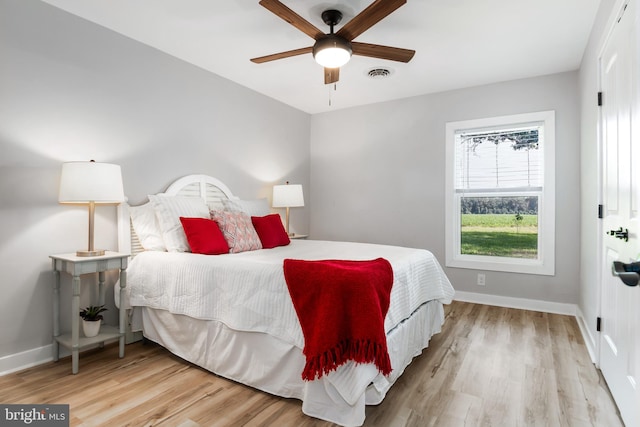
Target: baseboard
131, 337
521, 303
26, 359
37, 356
589, 339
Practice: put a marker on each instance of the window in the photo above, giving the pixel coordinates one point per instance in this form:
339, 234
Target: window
500, 193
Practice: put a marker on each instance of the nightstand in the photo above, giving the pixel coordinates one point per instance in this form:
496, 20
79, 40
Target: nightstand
77, 266
298, 236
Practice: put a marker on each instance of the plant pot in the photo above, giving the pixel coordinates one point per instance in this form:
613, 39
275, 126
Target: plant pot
91, 328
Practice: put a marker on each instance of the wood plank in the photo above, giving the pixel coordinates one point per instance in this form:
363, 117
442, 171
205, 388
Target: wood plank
489, 366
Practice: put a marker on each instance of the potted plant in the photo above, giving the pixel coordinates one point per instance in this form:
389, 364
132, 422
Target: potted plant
91, 319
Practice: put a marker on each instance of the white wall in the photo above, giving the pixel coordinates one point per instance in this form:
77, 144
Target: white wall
589, 302
378, 173
71, 90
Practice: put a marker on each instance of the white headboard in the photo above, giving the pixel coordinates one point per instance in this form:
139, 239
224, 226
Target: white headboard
210, 189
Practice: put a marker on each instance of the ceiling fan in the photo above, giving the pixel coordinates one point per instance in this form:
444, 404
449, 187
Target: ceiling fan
335, 49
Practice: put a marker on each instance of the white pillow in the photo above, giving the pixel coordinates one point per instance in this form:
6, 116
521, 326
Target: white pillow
169, 209
259, 207
146, 226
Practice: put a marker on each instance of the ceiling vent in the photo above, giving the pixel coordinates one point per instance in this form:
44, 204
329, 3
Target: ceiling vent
379, 73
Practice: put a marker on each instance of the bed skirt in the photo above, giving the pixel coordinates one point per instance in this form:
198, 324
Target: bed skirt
266, 363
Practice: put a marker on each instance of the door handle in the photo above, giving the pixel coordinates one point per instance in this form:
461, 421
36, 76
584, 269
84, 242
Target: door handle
620, 234
628, 273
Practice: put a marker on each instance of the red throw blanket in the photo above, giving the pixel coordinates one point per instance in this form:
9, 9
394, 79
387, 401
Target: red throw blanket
341, 306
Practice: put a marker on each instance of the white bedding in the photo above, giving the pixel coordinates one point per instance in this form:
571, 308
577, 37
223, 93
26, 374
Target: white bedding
247, 292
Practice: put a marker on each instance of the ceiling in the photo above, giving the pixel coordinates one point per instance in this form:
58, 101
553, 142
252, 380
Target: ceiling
458, 43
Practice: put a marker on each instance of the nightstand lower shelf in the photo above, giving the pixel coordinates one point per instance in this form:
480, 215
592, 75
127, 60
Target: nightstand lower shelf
106, 333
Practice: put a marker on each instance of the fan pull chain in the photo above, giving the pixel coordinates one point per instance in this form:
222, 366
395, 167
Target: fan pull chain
335, 89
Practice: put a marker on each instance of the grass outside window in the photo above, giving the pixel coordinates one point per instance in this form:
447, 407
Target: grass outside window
501, 235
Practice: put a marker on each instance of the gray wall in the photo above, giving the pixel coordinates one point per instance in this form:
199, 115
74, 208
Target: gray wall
71, 90
378, 174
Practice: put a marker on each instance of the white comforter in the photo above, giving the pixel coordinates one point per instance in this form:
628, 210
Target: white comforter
247, 291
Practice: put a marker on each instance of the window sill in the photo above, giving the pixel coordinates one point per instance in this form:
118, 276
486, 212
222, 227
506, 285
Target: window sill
508, 265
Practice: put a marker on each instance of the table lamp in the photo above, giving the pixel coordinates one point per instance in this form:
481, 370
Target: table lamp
287, 196
90, 183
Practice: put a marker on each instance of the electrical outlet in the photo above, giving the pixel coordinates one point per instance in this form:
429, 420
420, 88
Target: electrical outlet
481, 279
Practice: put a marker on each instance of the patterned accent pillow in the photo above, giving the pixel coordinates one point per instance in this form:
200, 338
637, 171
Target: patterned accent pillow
238, 231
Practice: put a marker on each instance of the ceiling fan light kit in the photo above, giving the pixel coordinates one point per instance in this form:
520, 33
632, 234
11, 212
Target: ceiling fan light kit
334, 50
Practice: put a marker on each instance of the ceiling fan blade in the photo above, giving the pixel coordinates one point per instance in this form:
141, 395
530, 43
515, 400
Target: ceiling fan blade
373, 14
282, 55
331, 75
382, 52
292, 18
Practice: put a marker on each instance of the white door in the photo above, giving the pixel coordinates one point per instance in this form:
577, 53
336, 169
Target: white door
620, 311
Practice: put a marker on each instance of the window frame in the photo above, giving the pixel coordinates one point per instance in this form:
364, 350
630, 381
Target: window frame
545, 263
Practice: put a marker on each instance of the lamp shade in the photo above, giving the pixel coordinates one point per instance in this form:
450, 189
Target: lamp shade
84, 182
287, 196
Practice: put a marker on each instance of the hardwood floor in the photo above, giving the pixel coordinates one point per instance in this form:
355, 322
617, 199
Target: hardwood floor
490, 366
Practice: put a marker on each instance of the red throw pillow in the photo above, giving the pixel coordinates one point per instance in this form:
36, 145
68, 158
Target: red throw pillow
270, 230
204, 236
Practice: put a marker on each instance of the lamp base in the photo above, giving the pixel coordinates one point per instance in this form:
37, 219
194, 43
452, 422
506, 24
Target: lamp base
96, 252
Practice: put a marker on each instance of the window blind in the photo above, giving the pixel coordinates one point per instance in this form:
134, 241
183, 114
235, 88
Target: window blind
499, 160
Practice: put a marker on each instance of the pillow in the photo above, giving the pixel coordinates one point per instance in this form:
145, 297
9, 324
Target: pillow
169, 209
146, 226
270, 230
259, 207
204, 236
238, 231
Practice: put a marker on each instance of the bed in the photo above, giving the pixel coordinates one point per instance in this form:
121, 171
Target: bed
232, 313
